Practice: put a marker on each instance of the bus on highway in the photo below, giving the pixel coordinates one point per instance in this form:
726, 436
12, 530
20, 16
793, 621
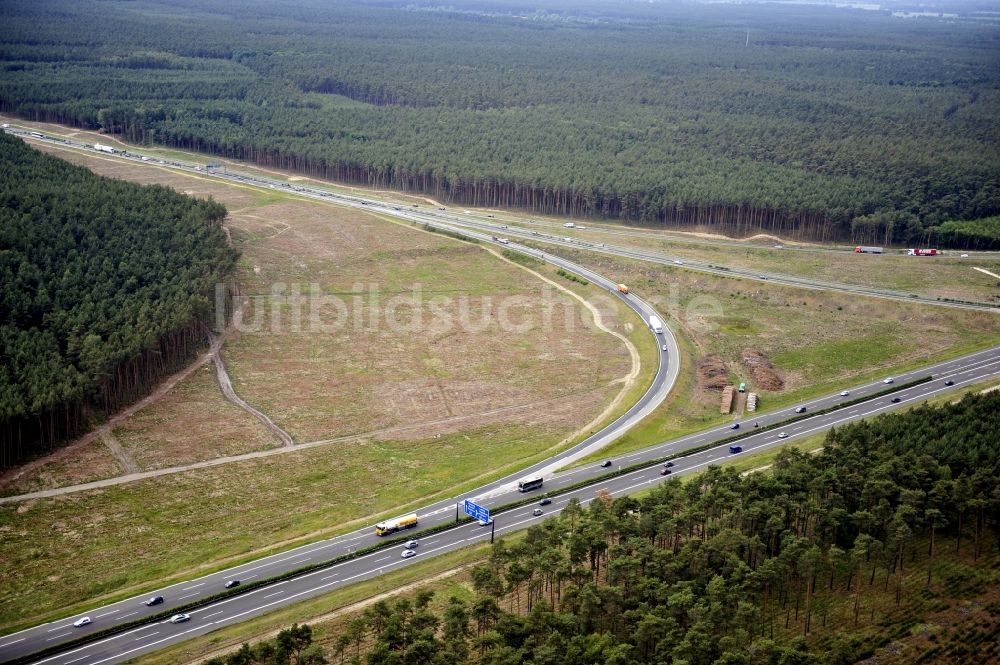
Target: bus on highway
528, 484
37, 135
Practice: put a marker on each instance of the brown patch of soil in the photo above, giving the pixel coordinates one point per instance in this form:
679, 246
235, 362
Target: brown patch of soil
713, 374
764, 374
90, 461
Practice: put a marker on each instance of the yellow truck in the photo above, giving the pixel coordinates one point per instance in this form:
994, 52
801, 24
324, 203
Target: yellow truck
622, 288
394, 525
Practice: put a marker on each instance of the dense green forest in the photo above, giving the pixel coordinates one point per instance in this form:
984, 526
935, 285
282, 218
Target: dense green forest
727, 569
806, 121
102, 284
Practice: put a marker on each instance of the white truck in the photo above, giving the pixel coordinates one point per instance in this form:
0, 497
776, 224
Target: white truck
104, 148
569, 225
656, 324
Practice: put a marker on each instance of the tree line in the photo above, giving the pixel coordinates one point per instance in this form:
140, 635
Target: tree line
724, 569
820, 124
103, 289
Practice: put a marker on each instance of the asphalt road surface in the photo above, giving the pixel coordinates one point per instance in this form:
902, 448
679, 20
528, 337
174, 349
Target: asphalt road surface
962, 372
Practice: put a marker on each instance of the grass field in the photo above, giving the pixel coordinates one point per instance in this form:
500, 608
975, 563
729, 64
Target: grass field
435, 403
818, 342
947, 276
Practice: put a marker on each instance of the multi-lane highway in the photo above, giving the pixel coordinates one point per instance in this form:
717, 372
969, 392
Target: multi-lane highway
960, 372
663, 380
705, 266
460, 220
208, 618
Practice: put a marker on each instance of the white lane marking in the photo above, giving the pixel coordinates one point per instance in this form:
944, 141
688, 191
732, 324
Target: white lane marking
68, 662
208, 616
382, 559
276, 593
56, 637
51, 630
189, 595
142, 637
7, 644
328, 577
128, 615
140, 648
193, 586
107, 613
269, 563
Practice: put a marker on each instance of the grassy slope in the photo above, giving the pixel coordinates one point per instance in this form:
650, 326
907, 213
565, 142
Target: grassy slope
179, 525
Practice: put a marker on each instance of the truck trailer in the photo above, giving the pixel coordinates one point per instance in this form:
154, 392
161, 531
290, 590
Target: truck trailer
656, 324
921, 252
862, 249
394, 525
104, 148
622, 288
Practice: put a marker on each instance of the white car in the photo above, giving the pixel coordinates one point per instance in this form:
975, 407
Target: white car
486, 522
664, 347
406, 554
180, 618
844, 393
889, 380
82, 621
680, 263
782, 435
411, 544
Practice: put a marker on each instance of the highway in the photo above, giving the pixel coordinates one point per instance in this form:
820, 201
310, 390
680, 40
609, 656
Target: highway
667, 235
962, 372
666, 374
684, 263
153, 636
460, 220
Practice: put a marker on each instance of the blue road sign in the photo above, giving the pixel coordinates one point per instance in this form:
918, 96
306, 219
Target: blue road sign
475, 511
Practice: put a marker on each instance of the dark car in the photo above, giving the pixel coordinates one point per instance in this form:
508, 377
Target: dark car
895, 400
949, 382
155, 600
734, 426
665, 471
605, 464
231, 583
545, 501
735, 449
668, 464
800, 409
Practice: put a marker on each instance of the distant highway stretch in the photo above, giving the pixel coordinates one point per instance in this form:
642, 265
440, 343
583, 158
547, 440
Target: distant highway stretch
489, 228
666, 234
959, 372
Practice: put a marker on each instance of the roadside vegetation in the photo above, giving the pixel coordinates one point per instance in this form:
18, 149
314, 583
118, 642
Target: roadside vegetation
747, 119
947, 276
787, 344
882, 544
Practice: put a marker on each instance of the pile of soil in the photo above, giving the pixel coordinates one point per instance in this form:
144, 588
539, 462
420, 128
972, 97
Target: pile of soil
712, 373
765, 376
